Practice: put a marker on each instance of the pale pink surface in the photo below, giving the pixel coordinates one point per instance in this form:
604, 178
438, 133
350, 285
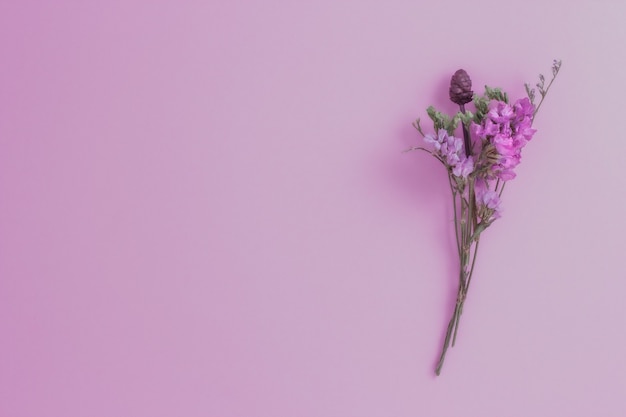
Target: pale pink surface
204, 211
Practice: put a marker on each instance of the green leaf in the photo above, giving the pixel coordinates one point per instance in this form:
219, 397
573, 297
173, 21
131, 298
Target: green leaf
482, 108
431, 113
496, 94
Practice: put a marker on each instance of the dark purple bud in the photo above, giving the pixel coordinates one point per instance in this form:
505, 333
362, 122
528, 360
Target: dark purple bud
461, 88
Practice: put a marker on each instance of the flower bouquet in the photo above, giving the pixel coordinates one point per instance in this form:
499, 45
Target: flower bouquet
479, 164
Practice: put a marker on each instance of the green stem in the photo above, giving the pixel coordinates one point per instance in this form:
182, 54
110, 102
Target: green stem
460, 301
471, 272
471, 216
466, 135
456, 222
465, 224
446, 342
543, 96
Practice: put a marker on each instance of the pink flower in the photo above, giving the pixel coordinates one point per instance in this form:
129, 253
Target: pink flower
487, 198
464, 168
524, 108
436, 141
450, 149
508, 128
501, 112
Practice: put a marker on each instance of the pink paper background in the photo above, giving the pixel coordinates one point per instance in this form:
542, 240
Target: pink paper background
205, 211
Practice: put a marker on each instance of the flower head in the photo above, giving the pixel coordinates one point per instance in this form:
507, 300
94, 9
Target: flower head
488, 201
436, 141
508, 128
464, 167
461, 88
450, 149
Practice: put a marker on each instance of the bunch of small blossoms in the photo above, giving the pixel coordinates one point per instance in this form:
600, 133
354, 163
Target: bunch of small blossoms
479, 164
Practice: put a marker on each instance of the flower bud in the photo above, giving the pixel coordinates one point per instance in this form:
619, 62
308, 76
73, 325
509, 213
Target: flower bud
461, 88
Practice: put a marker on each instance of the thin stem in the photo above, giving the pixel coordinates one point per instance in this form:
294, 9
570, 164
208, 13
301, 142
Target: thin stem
543, 96
419, 148
468, 217
458, 319
463, 257
462, 226
416, 125
467, 244
471, 216
446, 342
466, 136
456, 222
501, 189
463, 221
556, 67
463, 289
471, 272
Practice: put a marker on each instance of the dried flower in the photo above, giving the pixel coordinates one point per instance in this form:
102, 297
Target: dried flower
508, 129
461, 88
461, 93
448, 149
499, 132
